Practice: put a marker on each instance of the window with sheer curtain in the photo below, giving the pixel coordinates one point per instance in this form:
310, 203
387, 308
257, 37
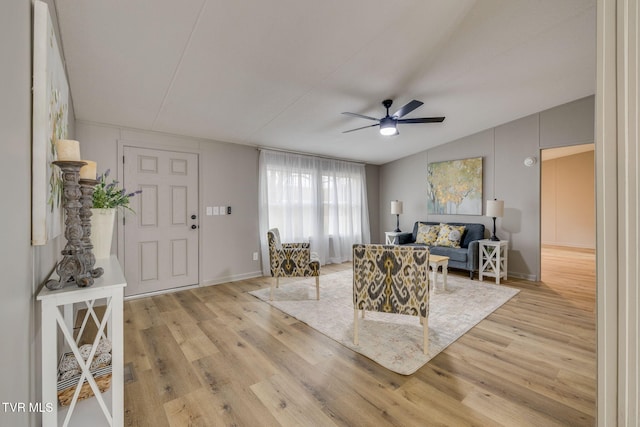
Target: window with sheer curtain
313, 199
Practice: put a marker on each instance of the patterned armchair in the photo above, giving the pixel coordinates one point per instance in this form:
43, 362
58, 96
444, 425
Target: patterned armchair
391, 279
291, 260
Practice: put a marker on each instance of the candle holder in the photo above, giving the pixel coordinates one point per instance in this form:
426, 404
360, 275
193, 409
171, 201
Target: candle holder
72, 268
87, 186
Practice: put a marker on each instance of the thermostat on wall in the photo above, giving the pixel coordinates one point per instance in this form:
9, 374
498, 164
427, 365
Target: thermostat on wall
529, 161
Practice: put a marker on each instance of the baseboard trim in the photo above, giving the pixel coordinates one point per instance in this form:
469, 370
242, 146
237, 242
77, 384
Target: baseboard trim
232, 278
570, 248
162, 292
530, 277
219, 281
567, 245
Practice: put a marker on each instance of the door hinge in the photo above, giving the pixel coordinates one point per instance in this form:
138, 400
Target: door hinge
122, 159
124, 220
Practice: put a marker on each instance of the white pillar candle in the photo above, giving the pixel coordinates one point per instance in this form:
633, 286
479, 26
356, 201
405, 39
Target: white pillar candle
88, 171
68, 149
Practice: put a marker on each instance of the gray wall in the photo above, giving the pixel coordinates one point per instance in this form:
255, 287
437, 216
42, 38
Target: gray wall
505, 177
17, 306
228, 177
24, 268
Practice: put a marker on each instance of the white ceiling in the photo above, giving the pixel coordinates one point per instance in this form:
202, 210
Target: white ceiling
278, 73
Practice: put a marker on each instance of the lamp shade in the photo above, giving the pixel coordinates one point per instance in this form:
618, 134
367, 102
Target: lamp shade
396, 207
495, 208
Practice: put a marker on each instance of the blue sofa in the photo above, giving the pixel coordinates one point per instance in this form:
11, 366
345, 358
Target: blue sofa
465, 257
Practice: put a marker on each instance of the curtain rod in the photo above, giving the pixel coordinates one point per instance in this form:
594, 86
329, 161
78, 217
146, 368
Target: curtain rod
309, 155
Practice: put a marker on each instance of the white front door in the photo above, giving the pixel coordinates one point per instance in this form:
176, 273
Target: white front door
161, 238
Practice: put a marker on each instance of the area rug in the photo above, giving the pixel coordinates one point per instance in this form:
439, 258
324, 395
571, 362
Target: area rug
391, 340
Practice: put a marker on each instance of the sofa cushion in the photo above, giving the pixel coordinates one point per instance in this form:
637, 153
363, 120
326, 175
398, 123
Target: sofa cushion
427, 234
450, 235
454, 254
472, 231
465, 257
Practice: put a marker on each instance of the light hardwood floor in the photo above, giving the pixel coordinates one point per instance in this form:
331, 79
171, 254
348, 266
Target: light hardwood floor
217, 356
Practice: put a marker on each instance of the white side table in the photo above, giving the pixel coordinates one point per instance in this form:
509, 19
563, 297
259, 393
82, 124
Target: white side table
391, 237
58, 308
493, 259
436, 261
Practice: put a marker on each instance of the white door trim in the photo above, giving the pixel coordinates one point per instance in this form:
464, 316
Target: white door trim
185, 148
617, 183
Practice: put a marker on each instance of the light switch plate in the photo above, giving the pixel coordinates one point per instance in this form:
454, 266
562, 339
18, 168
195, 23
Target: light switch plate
209, 210
216, 211
223, 210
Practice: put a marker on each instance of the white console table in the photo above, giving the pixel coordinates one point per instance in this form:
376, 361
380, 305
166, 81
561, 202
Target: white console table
58, 308
493, 258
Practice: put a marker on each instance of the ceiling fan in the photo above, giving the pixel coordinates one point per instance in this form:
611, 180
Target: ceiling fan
388, 124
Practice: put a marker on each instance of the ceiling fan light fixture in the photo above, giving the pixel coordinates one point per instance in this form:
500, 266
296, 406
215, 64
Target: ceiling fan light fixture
388, 127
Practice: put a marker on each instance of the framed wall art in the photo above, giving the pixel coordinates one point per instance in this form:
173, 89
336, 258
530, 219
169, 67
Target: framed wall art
454, 187
50, 121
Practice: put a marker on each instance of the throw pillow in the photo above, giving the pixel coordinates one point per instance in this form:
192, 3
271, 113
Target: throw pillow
450, 235
427, 234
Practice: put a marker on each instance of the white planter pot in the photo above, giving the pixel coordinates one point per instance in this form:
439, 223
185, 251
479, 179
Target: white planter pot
102, 222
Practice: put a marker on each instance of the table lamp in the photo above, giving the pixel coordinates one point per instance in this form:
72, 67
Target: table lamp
396, 209
495, 209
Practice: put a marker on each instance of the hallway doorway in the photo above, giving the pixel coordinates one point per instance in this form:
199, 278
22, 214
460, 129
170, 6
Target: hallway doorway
568, 229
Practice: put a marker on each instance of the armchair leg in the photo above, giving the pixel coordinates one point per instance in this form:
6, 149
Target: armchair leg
274, 284
318, 288
355, 326
471, 275
425, 338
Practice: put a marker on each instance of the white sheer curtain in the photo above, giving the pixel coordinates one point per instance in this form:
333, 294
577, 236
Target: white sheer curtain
313, 199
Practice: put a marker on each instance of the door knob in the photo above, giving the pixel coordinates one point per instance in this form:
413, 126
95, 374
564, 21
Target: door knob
193, 216
193, 227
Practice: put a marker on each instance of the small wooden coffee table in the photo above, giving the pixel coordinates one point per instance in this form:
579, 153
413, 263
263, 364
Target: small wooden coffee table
436, 261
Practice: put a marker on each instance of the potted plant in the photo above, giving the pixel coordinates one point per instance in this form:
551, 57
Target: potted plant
107, 198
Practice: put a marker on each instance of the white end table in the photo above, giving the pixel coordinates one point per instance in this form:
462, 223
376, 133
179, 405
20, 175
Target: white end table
391, 237
436, 261
58, 309
493, 256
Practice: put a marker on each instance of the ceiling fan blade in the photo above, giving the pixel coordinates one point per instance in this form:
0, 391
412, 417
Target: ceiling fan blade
361, 116
363, 127
406, 109
423, 120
